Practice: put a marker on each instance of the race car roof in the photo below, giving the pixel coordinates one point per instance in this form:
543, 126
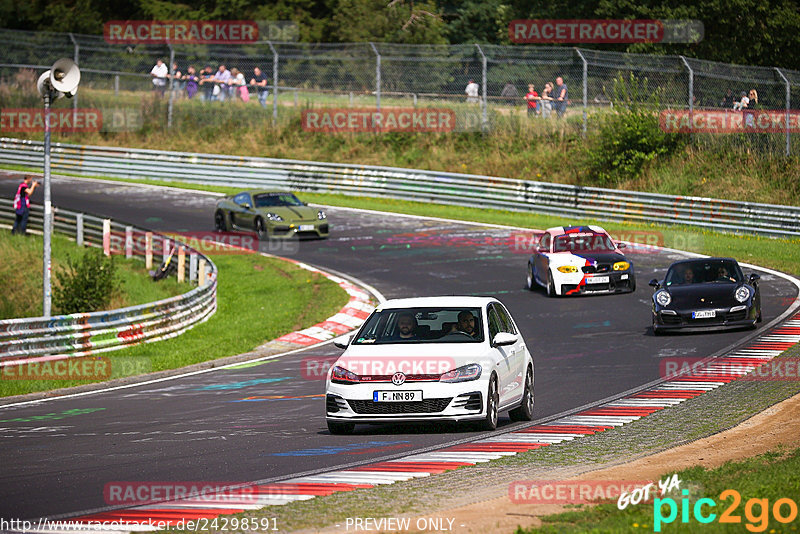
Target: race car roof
560, 230
443, 301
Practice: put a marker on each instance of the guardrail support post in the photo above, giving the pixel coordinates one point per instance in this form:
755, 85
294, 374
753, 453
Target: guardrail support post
107, 237
129, 242
377, 76
165, 249
585, 88
181, 264
148, 250
788, 103
201, 274
79, 229
274, 82
192, 266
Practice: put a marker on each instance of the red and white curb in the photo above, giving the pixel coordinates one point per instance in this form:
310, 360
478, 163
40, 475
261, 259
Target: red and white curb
607, 416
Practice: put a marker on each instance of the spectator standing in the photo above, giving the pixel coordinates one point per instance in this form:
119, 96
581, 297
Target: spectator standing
751, 107
532, 97
22, 205
727, 100
562, 97
259, 81
509, 92
207, 83
159, 72
192, 81
238, 85
472, 92
546, 101
221, 78
178, 82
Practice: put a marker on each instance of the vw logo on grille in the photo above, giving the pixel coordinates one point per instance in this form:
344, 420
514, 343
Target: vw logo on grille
398, 379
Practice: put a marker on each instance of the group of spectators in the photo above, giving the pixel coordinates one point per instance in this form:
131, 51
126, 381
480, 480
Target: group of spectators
746, 100
212, 85
553, 98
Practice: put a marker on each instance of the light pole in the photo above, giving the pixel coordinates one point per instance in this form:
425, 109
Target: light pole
61, 80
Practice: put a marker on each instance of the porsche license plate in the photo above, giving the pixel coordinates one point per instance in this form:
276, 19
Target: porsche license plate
397, 396
704, 314
598, 280
306, 227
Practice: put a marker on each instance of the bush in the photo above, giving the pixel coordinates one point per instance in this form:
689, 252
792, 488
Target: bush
629, 137
86, 285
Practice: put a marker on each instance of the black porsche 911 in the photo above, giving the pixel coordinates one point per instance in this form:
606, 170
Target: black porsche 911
708, 293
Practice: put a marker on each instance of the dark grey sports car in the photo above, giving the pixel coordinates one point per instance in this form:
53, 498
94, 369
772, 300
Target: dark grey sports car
708, 293
270, 214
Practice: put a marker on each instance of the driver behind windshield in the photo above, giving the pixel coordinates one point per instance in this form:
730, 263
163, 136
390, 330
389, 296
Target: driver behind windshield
466, 324
406, 327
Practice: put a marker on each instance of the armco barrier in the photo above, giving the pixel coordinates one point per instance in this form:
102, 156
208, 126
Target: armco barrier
63, 336
425, 186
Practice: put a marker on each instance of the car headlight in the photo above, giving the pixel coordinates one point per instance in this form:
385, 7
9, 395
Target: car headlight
464, 373
274, 217
622, 266
663, 298
742, 294
340, 375
321, 215
568, 269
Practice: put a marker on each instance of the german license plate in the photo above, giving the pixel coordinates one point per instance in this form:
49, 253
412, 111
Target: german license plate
396, 396
597, 280
306, 227
704, 314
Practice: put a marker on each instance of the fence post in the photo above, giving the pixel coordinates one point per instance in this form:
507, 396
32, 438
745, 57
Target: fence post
192, 266
691, 95
788, 103
165, 249
181, 264
148, 250
585, 88
107, 237
377, 76
129, 242
201, 273
484, 117
274, 82
116, 85
75, 96
79, 229
171, 81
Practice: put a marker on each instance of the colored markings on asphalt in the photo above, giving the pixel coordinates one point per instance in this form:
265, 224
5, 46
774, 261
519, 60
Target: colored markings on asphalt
242, 384
571, 427
52, 416
260, 398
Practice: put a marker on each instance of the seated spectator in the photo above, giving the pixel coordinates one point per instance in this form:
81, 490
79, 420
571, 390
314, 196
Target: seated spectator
727, 100
741, 104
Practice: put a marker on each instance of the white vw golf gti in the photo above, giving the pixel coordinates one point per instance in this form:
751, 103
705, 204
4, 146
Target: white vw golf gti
431, 359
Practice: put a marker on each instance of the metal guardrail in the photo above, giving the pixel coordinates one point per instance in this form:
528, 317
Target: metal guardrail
424, 186
63, 336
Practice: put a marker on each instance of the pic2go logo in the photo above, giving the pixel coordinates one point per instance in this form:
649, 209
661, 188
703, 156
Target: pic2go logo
756, 511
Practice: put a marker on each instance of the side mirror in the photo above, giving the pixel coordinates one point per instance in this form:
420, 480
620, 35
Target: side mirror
654, 283
502, 339
621, 245
342, 342
541, 248
754, 277
246, 206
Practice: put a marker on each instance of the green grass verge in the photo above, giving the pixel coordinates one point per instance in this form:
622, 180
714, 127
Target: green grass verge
774, 253
258, 299
21, 276
766, 478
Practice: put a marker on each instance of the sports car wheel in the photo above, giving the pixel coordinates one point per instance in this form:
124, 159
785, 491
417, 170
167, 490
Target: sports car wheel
656, 330
759, 318
633, 285
492, 398
530, 282
340, 428
551, 286
525, 410
261, 230
219, 222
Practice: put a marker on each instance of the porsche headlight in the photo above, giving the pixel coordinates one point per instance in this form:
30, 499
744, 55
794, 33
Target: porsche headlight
274, 217
464, 373
568, 269
742, 294
663, 298
622, 266
340, 375
321, 215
